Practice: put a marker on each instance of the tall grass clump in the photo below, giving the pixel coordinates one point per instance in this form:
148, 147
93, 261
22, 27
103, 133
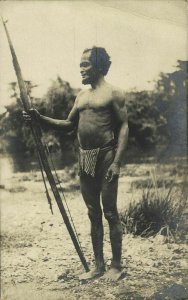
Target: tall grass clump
160, 210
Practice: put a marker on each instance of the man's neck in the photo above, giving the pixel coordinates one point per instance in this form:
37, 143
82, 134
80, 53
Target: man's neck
100, 82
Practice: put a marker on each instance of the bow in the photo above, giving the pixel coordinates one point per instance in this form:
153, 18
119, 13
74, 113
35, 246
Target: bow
43, 159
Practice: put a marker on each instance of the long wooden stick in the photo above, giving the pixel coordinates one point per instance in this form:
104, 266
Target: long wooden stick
35, 131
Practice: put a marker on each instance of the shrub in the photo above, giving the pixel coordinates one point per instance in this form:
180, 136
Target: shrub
160, 210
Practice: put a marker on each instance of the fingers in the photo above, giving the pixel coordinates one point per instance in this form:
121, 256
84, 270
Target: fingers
26, 117
109, 175
112, 177
33, 112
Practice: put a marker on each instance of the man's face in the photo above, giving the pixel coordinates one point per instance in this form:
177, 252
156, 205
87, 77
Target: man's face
88, 71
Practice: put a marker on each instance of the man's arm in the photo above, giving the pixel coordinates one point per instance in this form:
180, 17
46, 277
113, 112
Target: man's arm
122, 118
121, 114
65, 125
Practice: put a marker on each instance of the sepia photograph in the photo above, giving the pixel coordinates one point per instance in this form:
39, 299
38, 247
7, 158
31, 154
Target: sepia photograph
93, 150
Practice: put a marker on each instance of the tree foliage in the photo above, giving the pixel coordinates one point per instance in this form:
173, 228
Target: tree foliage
57, 104
17, 137
171, 98
158, 118
146, 122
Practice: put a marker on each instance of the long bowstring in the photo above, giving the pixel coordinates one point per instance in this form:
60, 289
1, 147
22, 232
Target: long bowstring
43, 178
61, 188
46, 189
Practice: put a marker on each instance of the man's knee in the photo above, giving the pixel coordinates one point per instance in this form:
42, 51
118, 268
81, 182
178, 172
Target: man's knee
95, 216
111, 216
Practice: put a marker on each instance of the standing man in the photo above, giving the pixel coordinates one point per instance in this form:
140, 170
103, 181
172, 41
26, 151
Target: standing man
100, 117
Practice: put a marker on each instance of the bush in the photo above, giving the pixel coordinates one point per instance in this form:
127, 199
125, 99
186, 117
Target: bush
17, 138
159, 210
146, 122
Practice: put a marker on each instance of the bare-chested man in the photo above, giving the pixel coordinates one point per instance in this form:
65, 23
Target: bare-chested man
100, 116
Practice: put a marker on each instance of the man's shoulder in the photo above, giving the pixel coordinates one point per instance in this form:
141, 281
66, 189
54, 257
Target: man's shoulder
116, 92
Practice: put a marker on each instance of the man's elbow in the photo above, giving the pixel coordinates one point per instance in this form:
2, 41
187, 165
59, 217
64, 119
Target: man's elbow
69, 125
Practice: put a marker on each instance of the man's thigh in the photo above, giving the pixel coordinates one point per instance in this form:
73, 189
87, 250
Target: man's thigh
108, 189
109, 195
90, 192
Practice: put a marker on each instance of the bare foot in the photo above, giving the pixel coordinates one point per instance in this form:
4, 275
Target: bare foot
113, 274
95, 273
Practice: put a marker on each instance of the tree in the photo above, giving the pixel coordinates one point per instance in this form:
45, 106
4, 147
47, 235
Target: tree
57, 104
17, 136
145, 120
171, 98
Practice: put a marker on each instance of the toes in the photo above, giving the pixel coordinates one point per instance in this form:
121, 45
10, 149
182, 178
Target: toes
114, 275
90, 275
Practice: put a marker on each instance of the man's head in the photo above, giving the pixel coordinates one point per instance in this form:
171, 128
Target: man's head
95, 62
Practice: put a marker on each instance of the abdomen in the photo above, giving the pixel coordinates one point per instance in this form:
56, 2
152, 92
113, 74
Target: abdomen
94, 128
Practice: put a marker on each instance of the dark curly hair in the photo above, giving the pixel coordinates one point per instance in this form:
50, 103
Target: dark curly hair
99, 59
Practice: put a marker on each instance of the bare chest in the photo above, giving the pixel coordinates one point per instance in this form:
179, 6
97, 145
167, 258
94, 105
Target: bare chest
96, 101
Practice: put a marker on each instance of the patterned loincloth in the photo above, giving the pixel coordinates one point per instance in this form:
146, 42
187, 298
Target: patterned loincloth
88, 160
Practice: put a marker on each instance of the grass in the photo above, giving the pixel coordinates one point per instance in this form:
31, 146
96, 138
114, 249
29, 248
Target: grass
159, 211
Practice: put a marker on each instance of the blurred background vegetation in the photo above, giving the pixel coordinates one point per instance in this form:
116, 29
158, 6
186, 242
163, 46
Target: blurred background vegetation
157, 119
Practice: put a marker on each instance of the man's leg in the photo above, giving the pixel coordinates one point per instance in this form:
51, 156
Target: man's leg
109, 199
91, 195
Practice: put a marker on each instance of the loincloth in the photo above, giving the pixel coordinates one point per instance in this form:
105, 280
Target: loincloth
88, 158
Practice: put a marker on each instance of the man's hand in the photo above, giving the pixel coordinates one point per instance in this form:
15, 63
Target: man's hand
32, 114
113, 172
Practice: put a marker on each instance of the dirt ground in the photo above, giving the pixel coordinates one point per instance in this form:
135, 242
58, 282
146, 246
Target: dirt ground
38, 260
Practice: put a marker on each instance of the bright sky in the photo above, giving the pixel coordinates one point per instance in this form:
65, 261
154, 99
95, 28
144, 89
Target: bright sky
143, 38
